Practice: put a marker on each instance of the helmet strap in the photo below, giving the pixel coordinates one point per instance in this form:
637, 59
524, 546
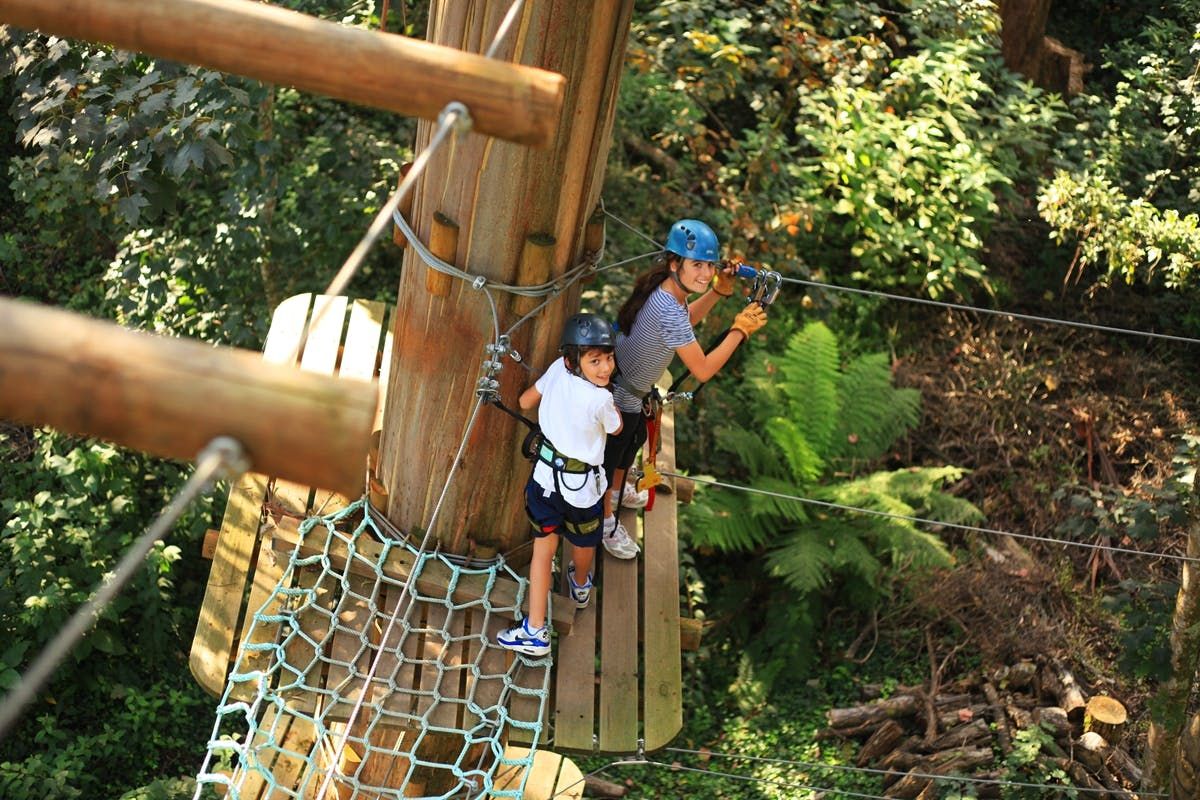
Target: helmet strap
679, 283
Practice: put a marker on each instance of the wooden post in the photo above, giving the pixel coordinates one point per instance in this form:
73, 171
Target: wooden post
275, 45
170, 397
536, 259
498, 193
443, 243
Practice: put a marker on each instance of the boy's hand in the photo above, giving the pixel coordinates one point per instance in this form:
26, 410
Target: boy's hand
749, 319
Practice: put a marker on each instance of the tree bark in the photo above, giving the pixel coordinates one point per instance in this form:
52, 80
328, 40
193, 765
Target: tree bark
498, 194
1185, 778
1026, 49
1171, 702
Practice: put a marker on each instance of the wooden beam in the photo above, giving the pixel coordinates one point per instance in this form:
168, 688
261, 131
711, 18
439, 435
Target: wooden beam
513, 102
171, 397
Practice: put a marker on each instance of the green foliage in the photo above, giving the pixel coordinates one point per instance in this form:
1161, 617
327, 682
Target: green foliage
903, 175
1023, 765
1144, 612
1106, 511
809, 418
1124, 194
68, 512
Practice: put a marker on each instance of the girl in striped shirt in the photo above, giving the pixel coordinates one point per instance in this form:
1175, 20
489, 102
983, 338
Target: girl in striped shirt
658, 321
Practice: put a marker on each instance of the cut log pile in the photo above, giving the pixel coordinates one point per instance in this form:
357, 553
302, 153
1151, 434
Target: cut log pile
968, 732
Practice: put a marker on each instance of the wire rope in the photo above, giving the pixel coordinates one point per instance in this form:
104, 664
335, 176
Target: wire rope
954, 306
923, 521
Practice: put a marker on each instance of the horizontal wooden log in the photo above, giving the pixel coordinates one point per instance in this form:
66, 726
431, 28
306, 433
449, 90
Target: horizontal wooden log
171, 397
514, 102
898, 706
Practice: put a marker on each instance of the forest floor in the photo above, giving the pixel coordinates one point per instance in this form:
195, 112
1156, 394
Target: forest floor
1069, 434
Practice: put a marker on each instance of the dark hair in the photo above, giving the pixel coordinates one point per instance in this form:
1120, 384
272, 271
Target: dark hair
575, 352
645, 285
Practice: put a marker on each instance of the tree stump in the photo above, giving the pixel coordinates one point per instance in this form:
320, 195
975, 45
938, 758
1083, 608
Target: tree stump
1105, 716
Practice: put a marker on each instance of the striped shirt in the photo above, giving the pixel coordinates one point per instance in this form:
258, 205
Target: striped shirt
661, 327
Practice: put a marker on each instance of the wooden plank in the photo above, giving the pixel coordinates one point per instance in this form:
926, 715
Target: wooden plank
409, 644
552, 776
220, 613
351, 651
299, 736
525, 706
662, 705
575, 678
619, 648
268, 572
416, 78
364, 339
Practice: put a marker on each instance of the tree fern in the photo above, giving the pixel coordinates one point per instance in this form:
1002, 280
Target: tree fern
832, 418
873, 414
803, 382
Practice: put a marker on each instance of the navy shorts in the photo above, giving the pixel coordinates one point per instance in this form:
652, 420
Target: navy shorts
622, 449
581, 526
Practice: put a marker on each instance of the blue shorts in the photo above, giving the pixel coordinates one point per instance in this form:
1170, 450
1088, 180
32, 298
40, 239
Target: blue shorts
582, 527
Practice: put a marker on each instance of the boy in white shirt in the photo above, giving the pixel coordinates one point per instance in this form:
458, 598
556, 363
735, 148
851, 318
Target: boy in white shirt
564, 494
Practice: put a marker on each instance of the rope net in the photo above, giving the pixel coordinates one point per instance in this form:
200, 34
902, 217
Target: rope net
315, 707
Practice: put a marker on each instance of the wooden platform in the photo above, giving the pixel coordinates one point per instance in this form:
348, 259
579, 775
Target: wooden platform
611, 693
618, 674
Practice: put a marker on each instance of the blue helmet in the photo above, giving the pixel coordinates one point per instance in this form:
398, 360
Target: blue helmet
691, 238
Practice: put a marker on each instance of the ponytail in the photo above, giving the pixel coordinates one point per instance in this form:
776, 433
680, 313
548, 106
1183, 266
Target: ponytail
645, 285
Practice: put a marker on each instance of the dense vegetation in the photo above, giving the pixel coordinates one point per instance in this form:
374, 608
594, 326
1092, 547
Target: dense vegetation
844, 142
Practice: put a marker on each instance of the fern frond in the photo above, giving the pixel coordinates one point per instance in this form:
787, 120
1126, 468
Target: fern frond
806, 377
749, 449
771, 505
874, 413
727, 520
805, 463
802, 560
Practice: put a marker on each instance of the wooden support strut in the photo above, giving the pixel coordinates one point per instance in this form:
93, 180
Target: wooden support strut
537, 259
443, 243
171, 397
517, 103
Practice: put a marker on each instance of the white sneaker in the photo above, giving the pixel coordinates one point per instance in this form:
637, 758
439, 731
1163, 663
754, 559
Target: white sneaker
632, 498
619, 544
580, 594
523, 640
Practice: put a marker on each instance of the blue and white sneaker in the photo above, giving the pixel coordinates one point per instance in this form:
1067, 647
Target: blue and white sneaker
523, 640
580, 594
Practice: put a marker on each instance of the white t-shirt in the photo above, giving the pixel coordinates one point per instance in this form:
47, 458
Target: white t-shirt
576, 416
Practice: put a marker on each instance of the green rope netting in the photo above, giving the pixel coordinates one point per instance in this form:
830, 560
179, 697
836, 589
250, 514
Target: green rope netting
316, 708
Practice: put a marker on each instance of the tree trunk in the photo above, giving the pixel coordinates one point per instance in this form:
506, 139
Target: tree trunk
498, 194
1171, 703
1185, 778
1026, 49
1024, 26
